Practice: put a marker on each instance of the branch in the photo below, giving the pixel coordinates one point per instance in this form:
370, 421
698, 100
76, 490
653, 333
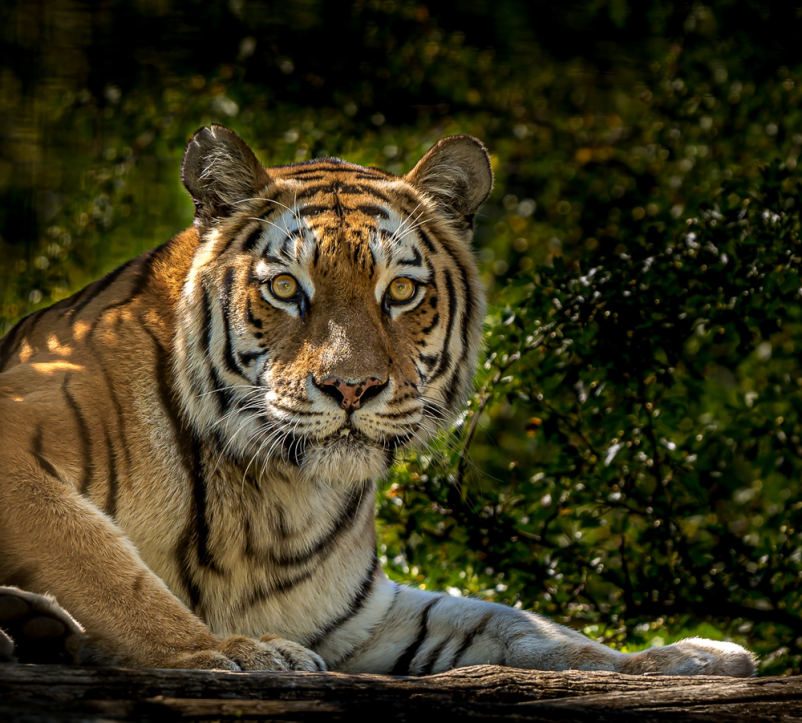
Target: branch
59, 693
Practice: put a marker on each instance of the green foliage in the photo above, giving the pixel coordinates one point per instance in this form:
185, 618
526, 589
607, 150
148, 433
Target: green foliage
630, 462
665, 392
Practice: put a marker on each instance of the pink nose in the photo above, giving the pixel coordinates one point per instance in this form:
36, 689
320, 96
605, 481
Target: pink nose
352, 396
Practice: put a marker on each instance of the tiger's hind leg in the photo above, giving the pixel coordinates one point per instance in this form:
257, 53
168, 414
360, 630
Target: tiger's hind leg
35, 629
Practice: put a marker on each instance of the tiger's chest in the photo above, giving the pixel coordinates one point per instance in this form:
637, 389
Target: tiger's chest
280, 556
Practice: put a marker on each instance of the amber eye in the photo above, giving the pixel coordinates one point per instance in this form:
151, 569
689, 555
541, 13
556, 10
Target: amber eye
401, 289
284, 286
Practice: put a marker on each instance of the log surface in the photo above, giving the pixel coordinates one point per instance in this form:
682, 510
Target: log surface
37, 693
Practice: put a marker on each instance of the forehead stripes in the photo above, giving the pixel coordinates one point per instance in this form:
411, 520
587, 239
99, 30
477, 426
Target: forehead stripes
297, 235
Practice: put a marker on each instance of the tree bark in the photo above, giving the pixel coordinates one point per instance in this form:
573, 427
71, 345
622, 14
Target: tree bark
38, 693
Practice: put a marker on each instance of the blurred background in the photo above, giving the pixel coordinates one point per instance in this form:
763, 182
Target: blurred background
630, 462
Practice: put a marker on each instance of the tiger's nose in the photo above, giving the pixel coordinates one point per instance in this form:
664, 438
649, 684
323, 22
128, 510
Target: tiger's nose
352, 396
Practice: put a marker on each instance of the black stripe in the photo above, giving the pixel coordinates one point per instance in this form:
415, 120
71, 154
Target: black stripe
432, 657
225, 305
315, 167
196, 533
429, 359
111, 496
396, 415
141, 280
445, 356
182, 555
271, 260
199, 509
378, 177
252, 320
253, 238
290, 410
309, 193
416, 260
164, 387
119, 412
435, 321
9, 343
85, 438
404, 663
456, 382
246, 357
454, 386
375, 629
352, 190
469, 301
354, 606
95, 289
263, 592
432, 412
412, 201
38, 454
222, 397
183, 443
323, 549
469, 638
372, 210
346, 517
313, 209
427, 241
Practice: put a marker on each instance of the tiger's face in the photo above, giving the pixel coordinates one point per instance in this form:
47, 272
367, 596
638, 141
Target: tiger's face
332, 313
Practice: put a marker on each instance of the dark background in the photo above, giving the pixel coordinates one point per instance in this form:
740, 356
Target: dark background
635, 473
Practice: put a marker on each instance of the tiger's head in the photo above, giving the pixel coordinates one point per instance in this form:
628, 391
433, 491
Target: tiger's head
332, 313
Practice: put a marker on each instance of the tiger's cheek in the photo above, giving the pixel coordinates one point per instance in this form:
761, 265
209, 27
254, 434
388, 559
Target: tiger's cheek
414, 339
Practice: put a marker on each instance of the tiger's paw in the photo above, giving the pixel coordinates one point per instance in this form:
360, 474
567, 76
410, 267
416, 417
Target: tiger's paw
296, 656
694, 656
269, 653
36, 629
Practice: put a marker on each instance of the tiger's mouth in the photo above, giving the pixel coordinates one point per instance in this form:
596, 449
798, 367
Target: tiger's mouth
348, 435
345, 440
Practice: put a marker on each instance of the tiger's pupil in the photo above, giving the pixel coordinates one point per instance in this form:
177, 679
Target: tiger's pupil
284, 286
402, 289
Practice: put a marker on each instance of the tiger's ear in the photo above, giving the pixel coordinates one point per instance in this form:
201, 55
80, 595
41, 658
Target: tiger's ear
219, 170
456, 173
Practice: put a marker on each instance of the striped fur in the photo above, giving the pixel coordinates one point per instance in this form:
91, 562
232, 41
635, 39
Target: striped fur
188, 459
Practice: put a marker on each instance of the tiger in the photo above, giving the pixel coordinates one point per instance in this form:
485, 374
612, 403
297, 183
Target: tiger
191, 444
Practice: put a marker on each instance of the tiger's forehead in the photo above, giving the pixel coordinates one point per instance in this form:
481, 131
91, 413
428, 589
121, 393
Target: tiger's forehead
325, 171
323, 216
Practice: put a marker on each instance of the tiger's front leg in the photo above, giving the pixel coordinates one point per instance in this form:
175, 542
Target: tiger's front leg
55, 541
424, 633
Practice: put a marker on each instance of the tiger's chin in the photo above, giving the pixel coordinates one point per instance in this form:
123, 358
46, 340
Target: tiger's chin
344, 459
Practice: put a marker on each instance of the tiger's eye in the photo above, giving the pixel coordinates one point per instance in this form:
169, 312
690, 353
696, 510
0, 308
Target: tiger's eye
284, 286
401, 289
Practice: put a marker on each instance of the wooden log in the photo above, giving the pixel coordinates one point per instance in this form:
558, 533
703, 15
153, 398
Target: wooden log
37, 693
